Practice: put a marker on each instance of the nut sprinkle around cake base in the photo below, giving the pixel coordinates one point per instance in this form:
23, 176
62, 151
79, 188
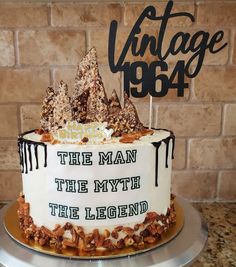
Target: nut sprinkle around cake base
67, 251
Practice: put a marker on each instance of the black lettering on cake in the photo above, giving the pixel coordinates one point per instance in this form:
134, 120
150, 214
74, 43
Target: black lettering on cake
105, 157
74, 158
74, 213
63, 211
135, 182
115, 185
117, 157
125, 182
71, 186
53, 208
100, 186
87, 158
62, 156
101, 213
59, 183
88, 215
82, 186
111, 212
143, 207
131, 155
133, 209
122, 211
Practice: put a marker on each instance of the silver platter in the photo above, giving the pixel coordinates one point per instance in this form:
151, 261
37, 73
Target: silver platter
181, 251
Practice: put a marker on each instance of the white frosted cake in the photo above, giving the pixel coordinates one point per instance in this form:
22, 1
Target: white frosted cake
93, 177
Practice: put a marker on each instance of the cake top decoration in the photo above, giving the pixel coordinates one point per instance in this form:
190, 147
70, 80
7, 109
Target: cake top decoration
97, 104
78, 132
84, 79
114, 103
47, 109
88, 104
62, 109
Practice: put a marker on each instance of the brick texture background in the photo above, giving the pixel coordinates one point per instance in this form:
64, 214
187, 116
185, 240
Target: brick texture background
41, 43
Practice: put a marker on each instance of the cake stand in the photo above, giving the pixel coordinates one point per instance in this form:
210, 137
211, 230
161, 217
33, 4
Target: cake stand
180, 251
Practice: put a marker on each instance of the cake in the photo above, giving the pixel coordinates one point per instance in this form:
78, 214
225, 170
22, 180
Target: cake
94, 178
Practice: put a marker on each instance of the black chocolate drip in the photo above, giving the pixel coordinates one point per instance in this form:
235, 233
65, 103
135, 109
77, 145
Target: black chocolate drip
173, 146
25, 153
20, 145
45, 156
167, 141
36, 156
157, 145
30, 156
25, 156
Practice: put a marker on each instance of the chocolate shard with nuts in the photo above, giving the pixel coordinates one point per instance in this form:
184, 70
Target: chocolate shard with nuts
79, 107
46, 119
125, 121
114, 103
132, 115
84, 79
97, 105
62, 109
86, 71
89, 103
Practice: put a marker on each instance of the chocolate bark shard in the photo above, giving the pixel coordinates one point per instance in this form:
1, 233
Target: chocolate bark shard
47, 109
97, 105
114, 103
126, 120
79, 107
62, 109
87, 69
89, 102
132, 114
84, 79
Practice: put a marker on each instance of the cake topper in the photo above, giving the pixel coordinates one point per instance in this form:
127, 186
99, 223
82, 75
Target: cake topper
181, 43
74, 132
87, 105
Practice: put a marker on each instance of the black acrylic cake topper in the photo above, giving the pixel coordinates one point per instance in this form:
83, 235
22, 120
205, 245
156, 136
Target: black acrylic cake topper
181, 42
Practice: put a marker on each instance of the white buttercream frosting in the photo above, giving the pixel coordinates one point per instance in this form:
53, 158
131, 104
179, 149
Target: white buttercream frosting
130, 179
